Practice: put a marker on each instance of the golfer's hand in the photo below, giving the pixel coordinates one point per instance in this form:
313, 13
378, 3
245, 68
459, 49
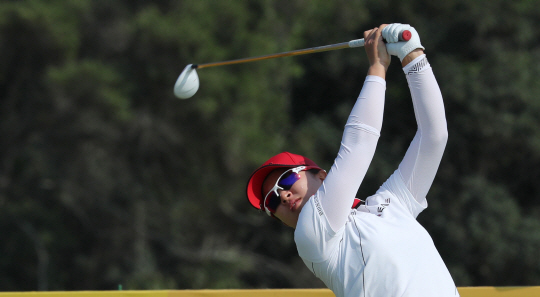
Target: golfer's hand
378, 57
401, 49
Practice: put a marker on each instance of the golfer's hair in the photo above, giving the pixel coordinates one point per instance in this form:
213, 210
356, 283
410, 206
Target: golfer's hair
313, 171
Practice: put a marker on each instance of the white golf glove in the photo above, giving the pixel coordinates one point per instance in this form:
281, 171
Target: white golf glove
400, 48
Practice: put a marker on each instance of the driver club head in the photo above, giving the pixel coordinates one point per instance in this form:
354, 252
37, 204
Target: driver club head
187, 83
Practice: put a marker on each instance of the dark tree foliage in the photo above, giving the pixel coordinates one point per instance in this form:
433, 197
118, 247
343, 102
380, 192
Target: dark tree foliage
107, 179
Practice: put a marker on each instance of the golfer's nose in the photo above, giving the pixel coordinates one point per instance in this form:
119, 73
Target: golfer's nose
285, 196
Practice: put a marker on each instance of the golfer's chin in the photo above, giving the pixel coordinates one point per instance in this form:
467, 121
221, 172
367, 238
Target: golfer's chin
290, 216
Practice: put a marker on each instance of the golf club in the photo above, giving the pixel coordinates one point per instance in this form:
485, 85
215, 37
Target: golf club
187, 83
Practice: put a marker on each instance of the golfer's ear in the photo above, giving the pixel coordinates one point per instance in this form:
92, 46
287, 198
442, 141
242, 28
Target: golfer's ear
322, 174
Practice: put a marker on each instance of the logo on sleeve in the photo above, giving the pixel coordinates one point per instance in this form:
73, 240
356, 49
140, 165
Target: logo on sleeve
318, 206
376, 205
383, 206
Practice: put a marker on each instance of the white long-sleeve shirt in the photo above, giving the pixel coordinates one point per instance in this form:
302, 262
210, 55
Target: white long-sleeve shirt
379, 249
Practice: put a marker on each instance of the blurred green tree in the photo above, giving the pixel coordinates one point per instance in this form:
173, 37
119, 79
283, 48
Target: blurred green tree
106, 179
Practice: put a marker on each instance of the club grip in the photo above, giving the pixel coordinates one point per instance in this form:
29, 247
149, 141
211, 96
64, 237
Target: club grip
405, 35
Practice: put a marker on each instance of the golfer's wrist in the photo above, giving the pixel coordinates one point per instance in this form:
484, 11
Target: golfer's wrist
377, 69
411, 56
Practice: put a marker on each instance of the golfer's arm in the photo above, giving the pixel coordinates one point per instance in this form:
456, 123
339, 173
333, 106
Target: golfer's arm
355, 154
421, 161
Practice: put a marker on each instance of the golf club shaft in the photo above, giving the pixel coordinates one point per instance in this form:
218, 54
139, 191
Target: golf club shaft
353, 43
279, 55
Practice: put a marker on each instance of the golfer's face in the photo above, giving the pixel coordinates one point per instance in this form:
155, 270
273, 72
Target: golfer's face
293, 199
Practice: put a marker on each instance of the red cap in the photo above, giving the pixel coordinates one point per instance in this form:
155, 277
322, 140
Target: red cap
282, 160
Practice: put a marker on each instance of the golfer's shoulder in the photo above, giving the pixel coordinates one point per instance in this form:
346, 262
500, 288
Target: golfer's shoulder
396, 192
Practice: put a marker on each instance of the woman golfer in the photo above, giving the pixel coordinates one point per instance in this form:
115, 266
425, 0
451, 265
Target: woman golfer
376, 248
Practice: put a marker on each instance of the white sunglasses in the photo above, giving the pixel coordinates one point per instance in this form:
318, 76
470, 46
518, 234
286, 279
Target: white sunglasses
285, 181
